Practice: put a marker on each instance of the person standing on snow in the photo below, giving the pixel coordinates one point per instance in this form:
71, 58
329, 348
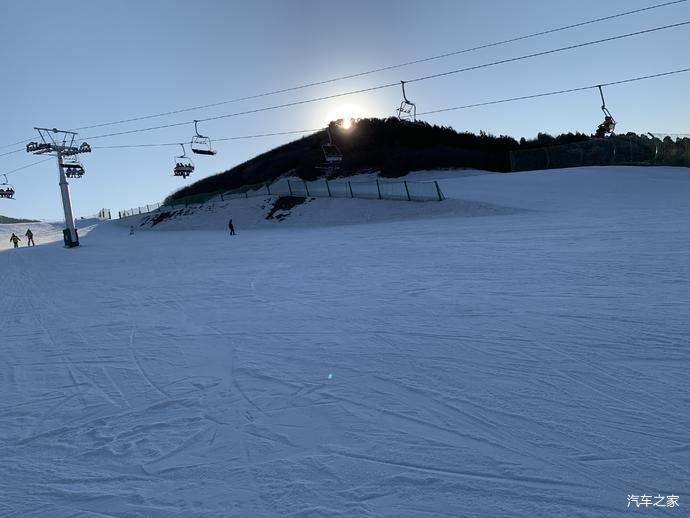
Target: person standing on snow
29, 238
232, 229
15, 239
131, 230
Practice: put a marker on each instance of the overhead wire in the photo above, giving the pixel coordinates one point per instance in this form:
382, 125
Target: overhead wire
430, 112
389, 67
440, 110
12, 152
389, 85
547, 52
556, 92
242, 137
26, 166
376, 70
395, 84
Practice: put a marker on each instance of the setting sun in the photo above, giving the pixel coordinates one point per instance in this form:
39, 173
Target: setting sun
348, 113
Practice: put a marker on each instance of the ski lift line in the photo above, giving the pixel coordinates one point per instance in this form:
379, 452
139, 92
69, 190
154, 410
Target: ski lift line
547, 52
475, 105
390, 85
557, 92
375, 70
431, 112
247, 112
12, 152
467, 106
29, 165
25, 141
390, 67
242, 137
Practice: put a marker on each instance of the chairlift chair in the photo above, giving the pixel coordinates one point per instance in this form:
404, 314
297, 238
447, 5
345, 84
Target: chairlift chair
183, 165
33, 147
407, 112
607, 127
72, 167
6, 190
331, 153
201, 145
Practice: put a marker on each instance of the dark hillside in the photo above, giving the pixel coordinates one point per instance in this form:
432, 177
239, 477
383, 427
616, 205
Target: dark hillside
387, 145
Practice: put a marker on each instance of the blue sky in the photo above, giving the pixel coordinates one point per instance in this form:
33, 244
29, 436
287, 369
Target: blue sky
80, 63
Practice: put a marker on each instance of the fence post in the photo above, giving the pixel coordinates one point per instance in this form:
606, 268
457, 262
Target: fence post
139, 210
306, 187
268, 188
290, 187
407, 191
378, 188
350, 187
328, 188
438, 191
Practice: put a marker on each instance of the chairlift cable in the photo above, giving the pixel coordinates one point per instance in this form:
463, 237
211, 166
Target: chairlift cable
241, 137
376, 70
388, 85
547, 52
556, 92
430, 112
12, 152
28, 165
391, 67
395, 84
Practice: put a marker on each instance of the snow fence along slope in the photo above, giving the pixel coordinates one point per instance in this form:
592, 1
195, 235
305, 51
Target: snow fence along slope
527, 364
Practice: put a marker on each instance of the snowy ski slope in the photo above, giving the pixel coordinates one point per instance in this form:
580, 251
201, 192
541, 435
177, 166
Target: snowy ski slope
520, 349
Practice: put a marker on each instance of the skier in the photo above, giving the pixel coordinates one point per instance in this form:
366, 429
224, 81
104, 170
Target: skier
131, 230
232, 229
29, 237
605, 127
15, 239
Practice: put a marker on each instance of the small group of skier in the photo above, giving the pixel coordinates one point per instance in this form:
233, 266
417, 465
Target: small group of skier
15, 239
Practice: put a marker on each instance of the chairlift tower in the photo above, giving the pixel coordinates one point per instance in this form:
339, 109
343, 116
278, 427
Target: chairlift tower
61, 144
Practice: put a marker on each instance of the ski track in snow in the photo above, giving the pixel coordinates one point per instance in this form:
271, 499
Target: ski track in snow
519, 350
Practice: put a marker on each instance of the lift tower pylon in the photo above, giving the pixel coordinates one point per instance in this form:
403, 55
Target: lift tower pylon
61, 144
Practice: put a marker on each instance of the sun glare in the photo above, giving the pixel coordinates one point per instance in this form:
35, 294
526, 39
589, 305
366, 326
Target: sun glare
348, 113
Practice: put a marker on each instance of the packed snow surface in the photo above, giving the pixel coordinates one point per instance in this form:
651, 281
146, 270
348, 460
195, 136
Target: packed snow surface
520, 349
